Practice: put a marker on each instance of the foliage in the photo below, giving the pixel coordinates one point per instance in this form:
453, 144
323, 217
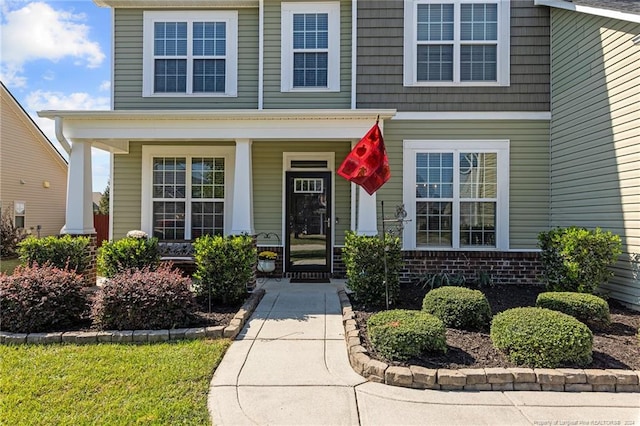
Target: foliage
440, 279
10, 236
540, 337
363, 258
224, 266
401, 334
584, 307
128, 253
144, 299
40, 298
116, 384
103, 208
65, 252
267, 255
577, 259
458, 307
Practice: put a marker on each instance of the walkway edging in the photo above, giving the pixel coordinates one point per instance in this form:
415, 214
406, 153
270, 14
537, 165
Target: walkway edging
479, 379
140, 336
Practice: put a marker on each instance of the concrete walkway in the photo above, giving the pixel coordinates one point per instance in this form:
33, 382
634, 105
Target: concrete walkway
289, 366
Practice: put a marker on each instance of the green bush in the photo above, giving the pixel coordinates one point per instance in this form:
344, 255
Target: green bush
128, 253
458, 307
540, 337
584, 307
41, 298
401, 334
224, 266
139, 299
65, 252
10, 236
577, 259
363, 258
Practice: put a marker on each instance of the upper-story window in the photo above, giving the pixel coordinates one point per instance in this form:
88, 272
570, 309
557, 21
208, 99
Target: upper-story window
190, 53
456, 42
310, 54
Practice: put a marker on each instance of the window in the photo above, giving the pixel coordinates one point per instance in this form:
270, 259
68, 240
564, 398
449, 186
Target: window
19, 214
456, 194
310, 46
186, 194
456, 42
190, 53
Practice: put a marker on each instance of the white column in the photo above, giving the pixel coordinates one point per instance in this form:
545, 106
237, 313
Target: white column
242, 214
367, 217
79, 216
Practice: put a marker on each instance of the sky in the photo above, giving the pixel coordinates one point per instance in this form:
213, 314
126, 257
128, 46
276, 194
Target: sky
56, 54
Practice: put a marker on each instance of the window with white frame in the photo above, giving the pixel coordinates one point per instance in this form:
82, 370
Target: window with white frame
310, 51
456, 194
190, 53
456, 42
19, 214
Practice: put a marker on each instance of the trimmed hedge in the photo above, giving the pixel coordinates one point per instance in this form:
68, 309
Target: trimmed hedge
144, 299
41, 298
65, 252
128, 253
582, 306
458, 307
401, 334
539, 337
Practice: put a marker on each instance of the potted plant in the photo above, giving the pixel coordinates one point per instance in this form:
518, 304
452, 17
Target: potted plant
267, 261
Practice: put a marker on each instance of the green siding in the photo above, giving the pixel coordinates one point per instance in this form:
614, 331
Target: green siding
529, 166
273, 97
128, 44
126, 191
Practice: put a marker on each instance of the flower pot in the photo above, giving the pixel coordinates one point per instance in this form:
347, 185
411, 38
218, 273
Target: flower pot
266, 265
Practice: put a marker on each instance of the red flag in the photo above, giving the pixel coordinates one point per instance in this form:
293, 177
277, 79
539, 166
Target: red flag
367, 164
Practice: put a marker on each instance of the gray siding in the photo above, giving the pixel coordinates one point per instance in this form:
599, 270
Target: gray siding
595, 133
380, 65
128, 60
273, 97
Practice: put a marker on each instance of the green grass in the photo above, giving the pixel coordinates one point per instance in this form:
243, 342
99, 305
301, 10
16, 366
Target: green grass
8, 265
165, 383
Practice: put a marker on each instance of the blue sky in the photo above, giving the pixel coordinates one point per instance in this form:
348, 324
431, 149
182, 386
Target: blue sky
56, 54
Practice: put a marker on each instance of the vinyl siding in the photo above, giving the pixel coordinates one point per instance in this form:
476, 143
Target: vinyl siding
528, 166
273, 97
595, 162
128, 42
380, 65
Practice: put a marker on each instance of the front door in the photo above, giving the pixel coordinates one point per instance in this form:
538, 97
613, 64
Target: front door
308, 213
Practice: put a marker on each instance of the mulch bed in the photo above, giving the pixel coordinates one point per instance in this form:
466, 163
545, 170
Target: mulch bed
614, 346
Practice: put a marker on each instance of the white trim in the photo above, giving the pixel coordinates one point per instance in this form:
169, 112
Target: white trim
503, 45
474, 115
242, 212
150, 151
288, 9
111, 195
176, 4
230, 17
412, 147
606, 13
354, 53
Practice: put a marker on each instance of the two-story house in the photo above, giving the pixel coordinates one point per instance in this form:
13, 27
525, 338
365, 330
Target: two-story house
233, 116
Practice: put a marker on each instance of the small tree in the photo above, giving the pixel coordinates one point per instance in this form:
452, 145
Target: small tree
10, 236
103, 208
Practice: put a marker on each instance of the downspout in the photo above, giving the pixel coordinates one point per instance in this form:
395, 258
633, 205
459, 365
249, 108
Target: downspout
261, 55
354, 50
60, 135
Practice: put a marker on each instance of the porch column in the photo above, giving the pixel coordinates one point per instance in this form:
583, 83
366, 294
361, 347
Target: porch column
367, 217
79, 212
242, 214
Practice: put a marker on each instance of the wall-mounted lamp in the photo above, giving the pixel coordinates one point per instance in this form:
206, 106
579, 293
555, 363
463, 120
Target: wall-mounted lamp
46, 184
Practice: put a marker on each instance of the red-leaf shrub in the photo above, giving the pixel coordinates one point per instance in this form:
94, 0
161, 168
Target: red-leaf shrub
40, 298
144, 300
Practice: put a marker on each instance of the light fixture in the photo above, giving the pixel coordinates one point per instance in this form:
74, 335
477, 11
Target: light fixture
45, 184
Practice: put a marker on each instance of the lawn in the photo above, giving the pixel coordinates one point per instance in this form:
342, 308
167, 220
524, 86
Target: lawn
8, 265
164, 383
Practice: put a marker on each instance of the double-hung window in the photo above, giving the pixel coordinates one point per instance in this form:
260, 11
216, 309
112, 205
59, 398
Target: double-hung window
456, 42
310, 57
456, 194
19, 214
190, 53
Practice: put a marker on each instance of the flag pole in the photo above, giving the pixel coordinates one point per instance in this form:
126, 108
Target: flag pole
384, 257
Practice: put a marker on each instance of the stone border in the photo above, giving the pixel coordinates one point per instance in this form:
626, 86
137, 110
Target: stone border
479, 379
140, 336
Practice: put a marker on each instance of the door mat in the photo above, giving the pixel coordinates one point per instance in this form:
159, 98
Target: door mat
310, 281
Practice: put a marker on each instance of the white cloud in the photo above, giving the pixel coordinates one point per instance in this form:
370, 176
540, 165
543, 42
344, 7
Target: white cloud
105, 86
49, 75
37, 31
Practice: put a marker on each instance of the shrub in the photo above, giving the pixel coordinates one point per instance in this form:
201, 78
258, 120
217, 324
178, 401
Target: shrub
584, 307
128, 253
144, 299
401, 334
40, 298
65, 252
458, 307
10, 236
363, 258
577, 259
540, 337
224, 266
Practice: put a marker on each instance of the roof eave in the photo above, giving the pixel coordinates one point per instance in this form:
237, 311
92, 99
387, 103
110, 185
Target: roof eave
177, 4
606, 13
